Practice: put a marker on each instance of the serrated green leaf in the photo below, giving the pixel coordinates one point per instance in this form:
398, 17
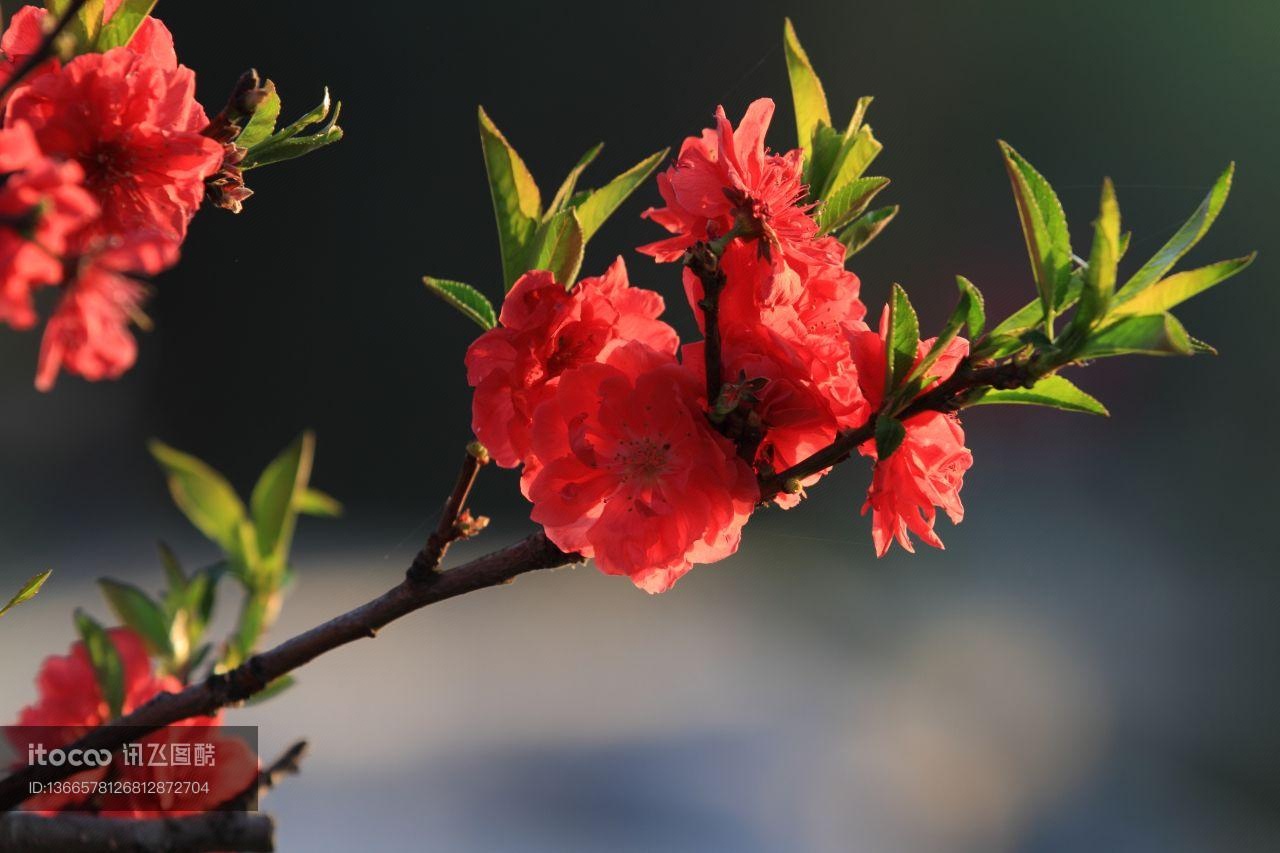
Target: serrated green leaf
104, 657
1186, 237
847, 203
1157, 334
566, 191
203, 495
558, 247
807, 96
859, 115
601, 203
262, 124
828, 143
128, 16
517, 204
903, 340
890, 433
1056, 392
1180, 287
27, 591
275, 496
471, 302
271, 691
135, 609
866, 228
275, 150
1044, 228
960, 315
317, 503
976, 318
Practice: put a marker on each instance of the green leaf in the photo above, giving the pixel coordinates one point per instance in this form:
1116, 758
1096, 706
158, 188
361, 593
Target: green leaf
1056, 392
86, 24
271, 691
1100, 275
203, 495
889, 435
859, 115
104, 657
517, 204
1153, 334
866, 228
1180, 287
27, 591
136, 610
558, 247
903, 341
128, 16
976, 318
601, 203
1183, 241
855, 156
176, 578
848, 202
276, 493
262, 124
960, 315
566, 191
465, 298
292, 142
806, 90
1044, 227
317, 503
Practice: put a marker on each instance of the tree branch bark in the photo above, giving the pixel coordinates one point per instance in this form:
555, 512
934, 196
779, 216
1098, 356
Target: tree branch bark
85, 833
218, 691
703, 261
455, 521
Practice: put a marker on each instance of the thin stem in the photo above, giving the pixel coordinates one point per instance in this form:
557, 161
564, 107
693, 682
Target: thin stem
43, 51
703, 260
455, 521
221, 690
288, 764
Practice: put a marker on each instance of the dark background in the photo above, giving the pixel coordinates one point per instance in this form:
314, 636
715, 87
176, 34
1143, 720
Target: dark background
1143, 539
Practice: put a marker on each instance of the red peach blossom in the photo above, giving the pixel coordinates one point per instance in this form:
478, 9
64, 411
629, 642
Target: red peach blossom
132, 122
543, 331
629, 471
41, 204
21, 39
88, 333
927, 469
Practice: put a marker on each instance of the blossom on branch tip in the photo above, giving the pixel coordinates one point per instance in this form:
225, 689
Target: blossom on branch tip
628, 470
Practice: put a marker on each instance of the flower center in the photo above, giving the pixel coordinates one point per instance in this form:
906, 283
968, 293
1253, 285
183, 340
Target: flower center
641, 460
106, 165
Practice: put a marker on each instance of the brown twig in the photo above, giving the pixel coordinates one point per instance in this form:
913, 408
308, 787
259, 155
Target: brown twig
43, 51
221, 690
949, 396
703, 261
455, 520
288, 764
86, 833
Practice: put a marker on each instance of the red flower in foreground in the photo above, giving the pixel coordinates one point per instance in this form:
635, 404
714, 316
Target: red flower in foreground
543, 331
70, 703
41, 205
927, 469
88, 333
629, 471
131, 121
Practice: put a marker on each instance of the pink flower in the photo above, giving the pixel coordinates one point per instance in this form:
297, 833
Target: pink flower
927, 469
726, 178
88, 333
130, 119
628, 470
41, 205
544, 331
20, 40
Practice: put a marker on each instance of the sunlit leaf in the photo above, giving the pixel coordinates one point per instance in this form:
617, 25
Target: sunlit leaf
903, 340
128, 16
566, 191
866, 228
1056, 392
848, 202
558, 247
203, 495
976, 319
27, 591
1044, 227
600, 204
317, 503
806, 90
517, 204
471, 302
1154, 334
104, 657
273, 503
1180, 287
135, 609
263, 121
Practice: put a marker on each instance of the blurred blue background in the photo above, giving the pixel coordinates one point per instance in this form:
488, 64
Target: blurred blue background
1091, 665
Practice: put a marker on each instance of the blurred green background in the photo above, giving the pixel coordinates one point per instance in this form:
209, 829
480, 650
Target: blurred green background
1089, 666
